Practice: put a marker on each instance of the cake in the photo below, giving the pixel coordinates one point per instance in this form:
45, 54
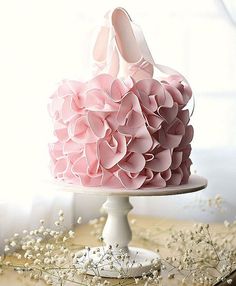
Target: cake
130, 131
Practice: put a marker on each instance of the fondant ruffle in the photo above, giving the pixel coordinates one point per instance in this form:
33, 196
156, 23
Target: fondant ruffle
121, 134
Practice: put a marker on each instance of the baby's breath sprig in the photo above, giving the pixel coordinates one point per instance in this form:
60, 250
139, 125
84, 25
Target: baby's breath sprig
209, 204
43, 253
47, 254
201, 256
198, 255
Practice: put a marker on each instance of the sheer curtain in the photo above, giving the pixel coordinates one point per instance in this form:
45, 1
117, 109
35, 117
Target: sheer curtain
43, 42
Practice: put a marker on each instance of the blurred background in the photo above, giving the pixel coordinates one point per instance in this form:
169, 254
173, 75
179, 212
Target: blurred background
45, 41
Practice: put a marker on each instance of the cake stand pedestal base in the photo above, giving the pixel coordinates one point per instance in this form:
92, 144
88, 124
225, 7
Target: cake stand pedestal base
116, 259
138, 262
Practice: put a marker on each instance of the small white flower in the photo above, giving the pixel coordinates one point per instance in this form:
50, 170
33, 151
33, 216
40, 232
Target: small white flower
36, 261
46, 261
61, 213
6, 248
71, 234
52, 232
226, 223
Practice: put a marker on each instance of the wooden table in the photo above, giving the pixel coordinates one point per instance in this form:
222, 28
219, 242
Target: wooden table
85, 237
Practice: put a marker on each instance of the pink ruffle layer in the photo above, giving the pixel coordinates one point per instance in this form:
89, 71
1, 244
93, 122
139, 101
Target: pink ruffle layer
121, 134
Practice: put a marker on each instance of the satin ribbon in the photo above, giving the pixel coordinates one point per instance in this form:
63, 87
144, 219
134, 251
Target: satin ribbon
143, 46
145, 51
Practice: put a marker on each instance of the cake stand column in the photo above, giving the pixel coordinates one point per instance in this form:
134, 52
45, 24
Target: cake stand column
117, 235
117, 232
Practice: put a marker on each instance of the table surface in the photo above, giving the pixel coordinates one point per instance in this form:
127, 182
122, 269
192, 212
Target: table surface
84, 237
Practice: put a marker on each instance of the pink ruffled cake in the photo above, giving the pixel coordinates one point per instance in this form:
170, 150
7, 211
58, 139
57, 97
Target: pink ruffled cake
122, 133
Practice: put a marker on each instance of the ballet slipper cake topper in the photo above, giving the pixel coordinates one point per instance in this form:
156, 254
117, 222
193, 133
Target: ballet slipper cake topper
122, 128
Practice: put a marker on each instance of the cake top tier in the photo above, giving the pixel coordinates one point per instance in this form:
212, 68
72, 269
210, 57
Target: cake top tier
124, 131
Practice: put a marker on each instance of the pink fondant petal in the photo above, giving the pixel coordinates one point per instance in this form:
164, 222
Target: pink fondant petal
135, 120
166, 174
154, 122
183, 115
64, 90
148, 174
91, 154
55, 150
88, 181
164, 99
67, 112
60, 131
185, 167
111, 119
72, 147
142, 142
175, 93
148, 157
73, 157
80, 131
169, 140
176, 160
170, 113
158, 181
75, 86
133, 162
95, 99
97, 124
102, 81
128, 103
55, 107
170, 136
161, 162
110, 180
186, 152
130, 183
188, 136
119, 88
176, 177
187, 93
60, 166
80, 166
149, 86
148, 89
113, 151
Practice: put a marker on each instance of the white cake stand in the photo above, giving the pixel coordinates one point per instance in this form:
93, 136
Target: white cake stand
117, 233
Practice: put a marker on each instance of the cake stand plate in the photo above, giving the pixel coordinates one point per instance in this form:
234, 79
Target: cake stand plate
117, 233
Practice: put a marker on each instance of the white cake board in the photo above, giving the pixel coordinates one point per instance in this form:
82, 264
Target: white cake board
117, 230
